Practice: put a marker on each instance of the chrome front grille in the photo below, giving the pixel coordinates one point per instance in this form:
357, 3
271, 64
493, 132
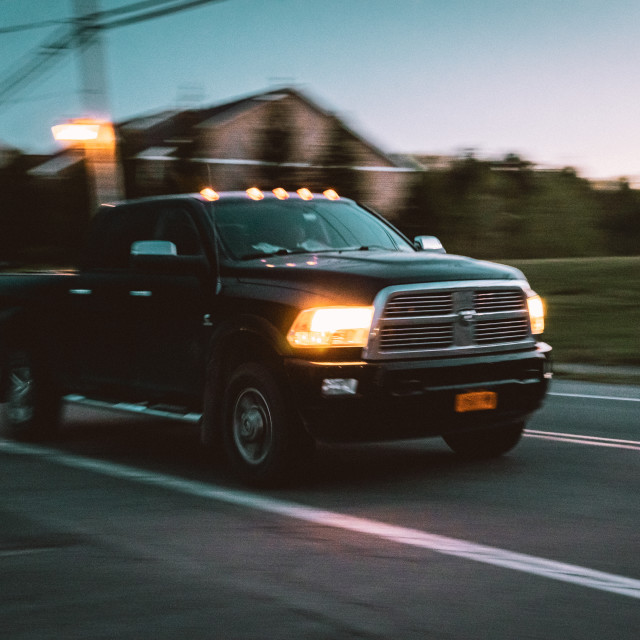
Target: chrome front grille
417, 305
492, 331
423, 336
418, 320
486, 301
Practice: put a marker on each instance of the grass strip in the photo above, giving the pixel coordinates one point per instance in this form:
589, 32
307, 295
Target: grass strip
593, 307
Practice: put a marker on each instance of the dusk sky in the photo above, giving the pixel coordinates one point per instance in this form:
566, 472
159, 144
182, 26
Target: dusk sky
555, 81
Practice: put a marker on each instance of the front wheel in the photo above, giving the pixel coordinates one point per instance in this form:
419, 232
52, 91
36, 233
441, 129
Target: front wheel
32, 408
263, 439
485, 443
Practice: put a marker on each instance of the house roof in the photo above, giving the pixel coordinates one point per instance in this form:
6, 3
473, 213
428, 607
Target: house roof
55, 165
154, 129
149, 121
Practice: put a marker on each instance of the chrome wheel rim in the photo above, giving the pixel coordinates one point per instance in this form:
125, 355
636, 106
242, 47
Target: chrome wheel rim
20, 400
252, 426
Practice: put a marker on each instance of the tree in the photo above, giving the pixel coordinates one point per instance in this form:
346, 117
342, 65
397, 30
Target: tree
621, 219
466, 176
421, 213
519, 174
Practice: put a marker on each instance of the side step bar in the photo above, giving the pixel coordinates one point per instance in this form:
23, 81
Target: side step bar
156, 411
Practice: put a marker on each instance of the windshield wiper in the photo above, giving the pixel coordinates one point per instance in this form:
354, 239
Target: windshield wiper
288, 252
267, 254
364, 247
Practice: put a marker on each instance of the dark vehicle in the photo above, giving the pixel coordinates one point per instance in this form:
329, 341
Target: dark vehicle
275, 320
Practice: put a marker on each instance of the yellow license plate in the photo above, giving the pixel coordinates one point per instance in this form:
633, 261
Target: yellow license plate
476, 401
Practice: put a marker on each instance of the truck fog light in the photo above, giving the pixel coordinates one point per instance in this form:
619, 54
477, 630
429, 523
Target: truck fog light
339, 386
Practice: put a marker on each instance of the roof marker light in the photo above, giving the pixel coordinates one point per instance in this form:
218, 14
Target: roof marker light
280, 193
255, 194
305, 194
330, 194
209, 194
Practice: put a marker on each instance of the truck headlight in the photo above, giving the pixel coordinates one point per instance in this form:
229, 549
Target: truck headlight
331, 327
536, 314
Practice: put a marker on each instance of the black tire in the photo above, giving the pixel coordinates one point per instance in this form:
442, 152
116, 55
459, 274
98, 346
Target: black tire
32, 407
264, 441
485, 443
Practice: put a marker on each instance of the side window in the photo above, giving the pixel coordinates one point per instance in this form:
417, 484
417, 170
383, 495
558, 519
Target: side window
175, 225
114, 231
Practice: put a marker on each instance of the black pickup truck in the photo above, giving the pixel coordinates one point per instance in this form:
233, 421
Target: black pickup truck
275, 320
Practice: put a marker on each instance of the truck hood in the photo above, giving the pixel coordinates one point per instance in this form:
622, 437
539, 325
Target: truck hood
359, 275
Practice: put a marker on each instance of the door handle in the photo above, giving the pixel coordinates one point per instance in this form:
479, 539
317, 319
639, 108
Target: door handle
80, 292
140, 294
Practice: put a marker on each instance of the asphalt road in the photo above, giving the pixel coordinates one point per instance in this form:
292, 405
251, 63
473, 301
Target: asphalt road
124, 530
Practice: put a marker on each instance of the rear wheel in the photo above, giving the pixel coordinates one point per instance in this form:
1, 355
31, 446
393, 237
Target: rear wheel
263, 438
485, 443
32, 408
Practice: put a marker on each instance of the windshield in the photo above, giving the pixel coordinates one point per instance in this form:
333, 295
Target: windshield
251, 229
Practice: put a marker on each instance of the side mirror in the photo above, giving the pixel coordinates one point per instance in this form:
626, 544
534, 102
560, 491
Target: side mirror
428, 243
153, 248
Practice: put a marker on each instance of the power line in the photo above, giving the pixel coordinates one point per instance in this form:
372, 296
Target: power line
100, 15
31, 25
78, 34
154, 14
135, 6
43, 59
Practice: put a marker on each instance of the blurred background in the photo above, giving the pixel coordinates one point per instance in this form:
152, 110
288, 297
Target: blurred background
508, 129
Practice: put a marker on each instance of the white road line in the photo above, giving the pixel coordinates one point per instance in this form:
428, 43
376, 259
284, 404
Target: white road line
581, 437
594, 441
24, 552
440, 544
577, 441
584, 395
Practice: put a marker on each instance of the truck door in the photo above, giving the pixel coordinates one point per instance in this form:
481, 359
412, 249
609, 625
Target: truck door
169, 307
97, 321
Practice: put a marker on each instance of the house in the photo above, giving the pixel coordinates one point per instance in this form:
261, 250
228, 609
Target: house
280, 137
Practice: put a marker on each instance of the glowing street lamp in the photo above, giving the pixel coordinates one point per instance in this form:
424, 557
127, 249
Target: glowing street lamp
96, 138
76, 131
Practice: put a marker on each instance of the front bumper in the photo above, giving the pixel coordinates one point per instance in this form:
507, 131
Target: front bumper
412, 399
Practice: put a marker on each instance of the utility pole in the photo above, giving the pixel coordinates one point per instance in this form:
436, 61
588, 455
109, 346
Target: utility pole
89, 45
101, 152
